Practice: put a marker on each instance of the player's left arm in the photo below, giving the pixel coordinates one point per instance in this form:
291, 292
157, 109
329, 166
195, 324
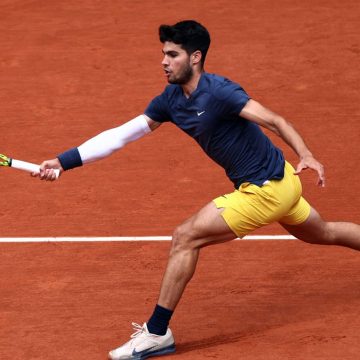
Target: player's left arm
264, 117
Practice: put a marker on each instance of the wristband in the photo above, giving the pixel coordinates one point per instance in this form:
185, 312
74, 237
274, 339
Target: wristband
70, 159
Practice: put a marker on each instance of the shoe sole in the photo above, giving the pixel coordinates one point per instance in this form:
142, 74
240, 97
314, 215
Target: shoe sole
167, 350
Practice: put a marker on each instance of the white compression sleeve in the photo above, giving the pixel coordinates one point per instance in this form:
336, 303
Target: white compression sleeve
111, 140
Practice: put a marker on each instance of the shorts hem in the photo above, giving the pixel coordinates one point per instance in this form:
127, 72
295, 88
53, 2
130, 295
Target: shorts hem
219, 205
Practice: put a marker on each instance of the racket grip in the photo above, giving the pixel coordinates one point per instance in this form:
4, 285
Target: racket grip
30, 167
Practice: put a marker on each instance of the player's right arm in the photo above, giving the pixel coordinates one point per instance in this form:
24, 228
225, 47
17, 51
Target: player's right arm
99, 147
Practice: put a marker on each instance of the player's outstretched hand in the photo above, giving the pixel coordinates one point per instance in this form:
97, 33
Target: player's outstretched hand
47, 172
309, 162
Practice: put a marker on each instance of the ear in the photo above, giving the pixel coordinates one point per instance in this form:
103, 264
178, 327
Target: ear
196, 57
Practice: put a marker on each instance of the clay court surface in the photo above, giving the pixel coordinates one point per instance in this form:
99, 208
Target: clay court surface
70, 69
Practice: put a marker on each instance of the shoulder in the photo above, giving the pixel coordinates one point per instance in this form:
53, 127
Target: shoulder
228, 96
168, 96
170, 92
221, 87
159, 109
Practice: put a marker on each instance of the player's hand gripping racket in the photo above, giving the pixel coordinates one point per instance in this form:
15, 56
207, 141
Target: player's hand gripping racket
23, 165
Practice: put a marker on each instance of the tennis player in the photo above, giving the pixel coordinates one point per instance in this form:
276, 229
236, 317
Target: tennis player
226, 122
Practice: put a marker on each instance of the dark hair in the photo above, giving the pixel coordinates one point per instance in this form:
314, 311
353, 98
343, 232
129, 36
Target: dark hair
189, 34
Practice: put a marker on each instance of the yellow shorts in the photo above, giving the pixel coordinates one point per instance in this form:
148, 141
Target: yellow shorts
251, 206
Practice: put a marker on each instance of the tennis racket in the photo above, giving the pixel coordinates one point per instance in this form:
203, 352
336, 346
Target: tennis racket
22, 165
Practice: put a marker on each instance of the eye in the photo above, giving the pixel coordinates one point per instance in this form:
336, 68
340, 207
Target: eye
173, 54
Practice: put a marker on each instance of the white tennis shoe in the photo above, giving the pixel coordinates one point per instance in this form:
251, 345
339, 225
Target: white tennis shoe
143, 345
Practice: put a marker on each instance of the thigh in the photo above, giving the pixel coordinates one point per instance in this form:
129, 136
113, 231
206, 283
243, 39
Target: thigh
298, 213
206, 227
309, 230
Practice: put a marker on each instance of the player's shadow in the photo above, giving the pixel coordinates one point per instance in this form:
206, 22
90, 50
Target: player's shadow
210, 342
277, 314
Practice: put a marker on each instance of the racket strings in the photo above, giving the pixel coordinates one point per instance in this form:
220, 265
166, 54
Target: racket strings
4, 160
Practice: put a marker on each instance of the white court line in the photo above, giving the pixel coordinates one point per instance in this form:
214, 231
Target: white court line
125, 238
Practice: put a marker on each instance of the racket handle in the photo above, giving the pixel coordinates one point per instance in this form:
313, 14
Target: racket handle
30, 167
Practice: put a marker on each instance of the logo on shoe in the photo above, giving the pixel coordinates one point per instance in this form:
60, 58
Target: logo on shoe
143, 352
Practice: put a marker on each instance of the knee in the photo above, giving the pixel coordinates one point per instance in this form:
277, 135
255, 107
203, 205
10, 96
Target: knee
323, 236
182, 239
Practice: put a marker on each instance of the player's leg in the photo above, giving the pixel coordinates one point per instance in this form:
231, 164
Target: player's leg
207, 227
315, 230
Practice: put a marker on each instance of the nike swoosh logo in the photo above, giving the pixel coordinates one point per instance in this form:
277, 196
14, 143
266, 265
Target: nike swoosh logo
137, 353
200, 112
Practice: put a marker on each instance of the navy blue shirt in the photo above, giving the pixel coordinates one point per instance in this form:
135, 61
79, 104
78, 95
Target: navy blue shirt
211, 116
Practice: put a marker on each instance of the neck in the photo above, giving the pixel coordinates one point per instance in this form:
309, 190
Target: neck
192, 84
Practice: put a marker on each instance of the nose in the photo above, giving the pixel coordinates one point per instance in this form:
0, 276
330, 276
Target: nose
165, 61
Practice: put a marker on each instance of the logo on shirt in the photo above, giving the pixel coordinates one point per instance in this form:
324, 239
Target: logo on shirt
199, 113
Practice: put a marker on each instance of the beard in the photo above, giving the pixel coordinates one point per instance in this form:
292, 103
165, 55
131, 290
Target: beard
184, 76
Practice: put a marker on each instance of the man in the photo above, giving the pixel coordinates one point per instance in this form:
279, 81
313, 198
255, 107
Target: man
222, 118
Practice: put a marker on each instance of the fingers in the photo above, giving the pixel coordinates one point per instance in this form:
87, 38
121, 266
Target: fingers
320, 170
321, 181
47, 170
47, 175
311, 163
300, 168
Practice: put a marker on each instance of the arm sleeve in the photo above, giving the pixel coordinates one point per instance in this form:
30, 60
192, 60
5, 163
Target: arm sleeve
105, 143
157, 110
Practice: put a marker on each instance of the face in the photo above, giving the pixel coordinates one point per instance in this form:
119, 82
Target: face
176, 64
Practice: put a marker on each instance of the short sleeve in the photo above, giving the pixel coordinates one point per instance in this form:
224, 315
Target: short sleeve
233, 97
157, 110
